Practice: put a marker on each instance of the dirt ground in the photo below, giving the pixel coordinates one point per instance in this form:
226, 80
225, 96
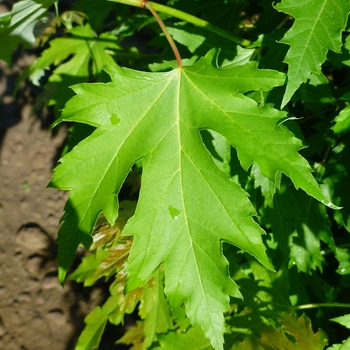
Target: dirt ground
36, 313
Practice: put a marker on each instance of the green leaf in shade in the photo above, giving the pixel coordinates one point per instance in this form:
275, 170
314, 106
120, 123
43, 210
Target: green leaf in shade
133, 336
223, 13
268, 338
156, 117
269, 17
315, 94
317, 29
343, 256
199, 42
122, 303
79, 57
193, 339
108, 259
294, 334
336, 179
90, 337
95, 11
265, 295
155, 310
219, 148
344, 346
342, 121
342, 58
179, 316
268, 187
110, 249
16, 27
88, 50
113, 310
305, 222
272, 288
86, 270
276, 52
301, 330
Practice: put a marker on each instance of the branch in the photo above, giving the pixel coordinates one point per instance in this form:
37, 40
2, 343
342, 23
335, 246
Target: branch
317, 305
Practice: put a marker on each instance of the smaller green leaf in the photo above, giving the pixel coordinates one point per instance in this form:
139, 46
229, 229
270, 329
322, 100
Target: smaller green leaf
298, 223
17, 26
155, 310
343, 320
109, 257
269, 338
345, 345
106, 261
334, 347
336, 181
223, 13
90, 338
295, 334
219, 148
342, 58
301, 329
315, 94
86, 270
96, 13
78, 58
268, 187
269, 17
193, 339
121, 303
343, 256
199, 41
104, 233
342, 121
273, 59
113, 310
85, 46
317, 29
5, 19
133, 336
265, 295
179, 316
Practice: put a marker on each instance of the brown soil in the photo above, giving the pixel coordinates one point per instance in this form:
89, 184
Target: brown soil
35, 311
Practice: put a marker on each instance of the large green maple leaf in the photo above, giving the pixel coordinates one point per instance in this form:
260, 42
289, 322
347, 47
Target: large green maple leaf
317, 29
187, 205
17, 26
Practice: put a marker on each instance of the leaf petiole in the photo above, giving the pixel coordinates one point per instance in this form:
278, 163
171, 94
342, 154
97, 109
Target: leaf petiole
188, 18
148, 5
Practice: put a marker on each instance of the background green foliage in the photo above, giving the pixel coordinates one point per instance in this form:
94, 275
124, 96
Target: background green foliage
213, 198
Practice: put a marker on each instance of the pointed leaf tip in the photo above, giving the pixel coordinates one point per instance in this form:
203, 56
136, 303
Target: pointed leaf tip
331, 205
62, 272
